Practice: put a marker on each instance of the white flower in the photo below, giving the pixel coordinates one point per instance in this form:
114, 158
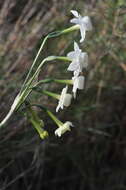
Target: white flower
65, 99
78, 83
83, 22
79, 60
63, 128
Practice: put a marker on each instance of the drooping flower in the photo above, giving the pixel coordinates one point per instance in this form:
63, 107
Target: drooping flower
79, 60
78, 83
63, 128
83, 22
65, 99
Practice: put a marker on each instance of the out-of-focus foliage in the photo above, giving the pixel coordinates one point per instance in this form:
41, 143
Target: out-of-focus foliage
93, 155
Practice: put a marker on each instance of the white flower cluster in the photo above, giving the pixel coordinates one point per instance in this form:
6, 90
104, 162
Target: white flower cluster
79, 61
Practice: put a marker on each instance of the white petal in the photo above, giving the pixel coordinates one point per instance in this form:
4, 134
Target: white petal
57, 108
65, 127
67, 100
81, 80
79, 60
65, 89
76, 73
71, 55
75, 13
74, 94
60, 105
73, 66
62, 99
74, 87
84, 60
76, 47
68, 124
78, 83
87, 23
58, 132
74, 20
82, 31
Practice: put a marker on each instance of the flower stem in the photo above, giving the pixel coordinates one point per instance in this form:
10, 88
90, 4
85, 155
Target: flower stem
48, 93
25, 91
71, 29
34, 62
54, 95
63, 81
54, 118
51, 35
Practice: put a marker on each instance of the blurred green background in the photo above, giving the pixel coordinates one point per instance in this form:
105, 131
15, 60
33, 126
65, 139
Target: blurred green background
93, 155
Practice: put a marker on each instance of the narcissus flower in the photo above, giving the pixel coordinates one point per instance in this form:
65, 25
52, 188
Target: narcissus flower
65, 99
83, 22
79, 60
63, 128
78, 83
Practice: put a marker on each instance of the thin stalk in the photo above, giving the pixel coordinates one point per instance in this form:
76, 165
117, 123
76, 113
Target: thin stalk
70, 29
63, 81
51, 35
50, 58
21, 98
54, 118
24, 94
34, 62
48, 93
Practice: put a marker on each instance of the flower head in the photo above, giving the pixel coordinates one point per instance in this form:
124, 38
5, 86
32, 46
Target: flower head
63, 128
78, 83
79, 60
83, 22
65, 99
44, 134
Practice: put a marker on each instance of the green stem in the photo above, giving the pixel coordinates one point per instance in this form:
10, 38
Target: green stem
48, 80
24, 94
26, 91
71, 29
62, 58
43, 81
34, 62
54, 95
54, 118
50, 58
63, 81
51, 35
